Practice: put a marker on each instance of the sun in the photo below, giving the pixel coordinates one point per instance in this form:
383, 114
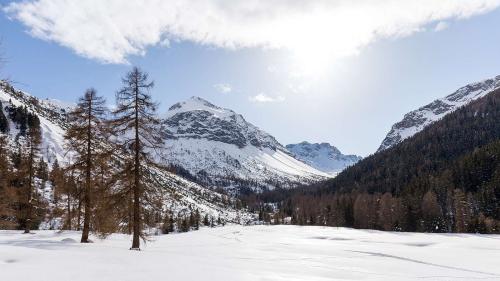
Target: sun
316, 42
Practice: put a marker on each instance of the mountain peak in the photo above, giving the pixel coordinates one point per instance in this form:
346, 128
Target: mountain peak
200, 119
206, 139
200, 101
322, 156
195, 103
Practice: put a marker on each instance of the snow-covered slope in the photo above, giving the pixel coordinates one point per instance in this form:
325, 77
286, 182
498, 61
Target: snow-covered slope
414, 121
322, 156
218, 144
182, 194
52, 115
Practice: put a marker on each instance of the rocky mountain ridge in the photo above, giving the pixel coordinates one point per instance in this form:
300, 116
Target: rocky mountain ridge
322, 156
221, 148
415, 121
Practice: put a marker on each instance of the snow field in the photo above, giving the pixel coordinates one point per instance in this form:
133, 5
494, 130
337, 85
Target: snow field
253, 253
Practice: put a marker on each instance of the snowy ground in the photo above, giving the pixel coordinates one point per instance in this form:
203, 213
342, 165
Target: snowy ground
253, 253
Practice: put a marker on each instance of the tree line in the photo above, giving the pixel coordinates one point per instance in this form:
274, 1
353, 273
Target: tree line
444, 179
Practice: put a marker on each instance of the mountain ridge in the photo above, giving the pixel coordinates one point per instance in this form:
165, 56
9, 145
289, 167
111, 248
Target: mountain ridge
322, 156
418, 119
445, 178
186, 195
220, 147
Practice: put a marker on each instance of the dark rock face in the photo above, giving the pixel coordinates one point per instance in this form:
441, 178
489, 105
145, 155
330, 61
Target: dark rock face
200, 125
221, 148
199, 119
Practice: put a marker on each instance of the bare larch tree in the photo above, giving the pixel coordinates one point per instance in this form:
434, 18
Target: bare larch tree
87, 131
140, 135
33, 140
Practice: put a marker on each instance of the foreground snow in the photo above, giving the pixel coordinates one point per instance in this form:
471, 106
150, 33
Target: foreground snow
253, 253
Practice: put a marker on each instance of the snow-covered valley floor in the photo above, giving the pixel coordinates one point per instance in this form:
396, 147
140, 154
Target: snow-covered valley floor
253, 253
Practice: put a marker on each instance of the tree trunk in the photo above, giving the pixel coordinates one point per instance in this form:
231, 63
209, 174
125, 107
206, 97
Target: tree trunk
137, 218
86, 197
30, 183
130, 211
79, 219
69, 211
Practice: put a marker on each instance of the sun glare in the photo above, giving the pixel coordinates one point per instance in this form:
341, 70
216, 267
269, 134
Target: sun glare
317, 40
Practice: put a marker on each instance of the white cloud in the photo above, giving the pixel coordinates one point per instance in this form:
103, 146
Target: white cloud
263, 98
440, 26
112, 30
223, 88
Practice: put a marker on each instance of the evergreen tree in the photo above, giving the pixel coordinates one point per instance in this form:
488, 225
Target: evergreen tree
56, 177
206, 222
4, 123
166, 224
185, 225
192, 219
197, 220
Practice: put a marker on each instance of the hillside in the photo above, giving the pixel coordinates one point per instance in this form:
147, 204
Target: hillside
444, 178
181, 196
415, 121
428, 152
322, 156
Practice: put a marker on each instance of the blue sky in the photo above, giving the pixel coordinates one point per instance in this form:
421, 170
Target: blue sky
349, 100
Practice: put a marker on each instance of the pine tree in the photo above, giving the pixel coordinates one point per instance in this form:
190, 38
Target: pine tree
86, 132
56, 177
197, 219
140, 130
206, 222
4, 123
166, 224
185, 225
192, 219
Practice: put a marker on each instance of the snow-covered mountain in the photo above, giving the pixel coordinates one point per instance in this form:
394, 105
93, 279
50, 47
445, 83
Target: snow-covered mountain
218, 144
52, 115
322, 156
414, 121
184, 194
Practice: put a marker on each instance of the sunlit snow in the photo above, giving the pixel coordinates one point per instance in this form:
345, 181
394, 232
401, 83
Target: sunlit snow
235, 253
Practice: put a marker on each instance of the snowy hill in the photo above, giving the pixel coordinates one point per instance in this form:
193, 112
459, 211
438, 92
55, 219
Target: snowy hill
52, 115
322, 156
414, 121
182, 194
220, 146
